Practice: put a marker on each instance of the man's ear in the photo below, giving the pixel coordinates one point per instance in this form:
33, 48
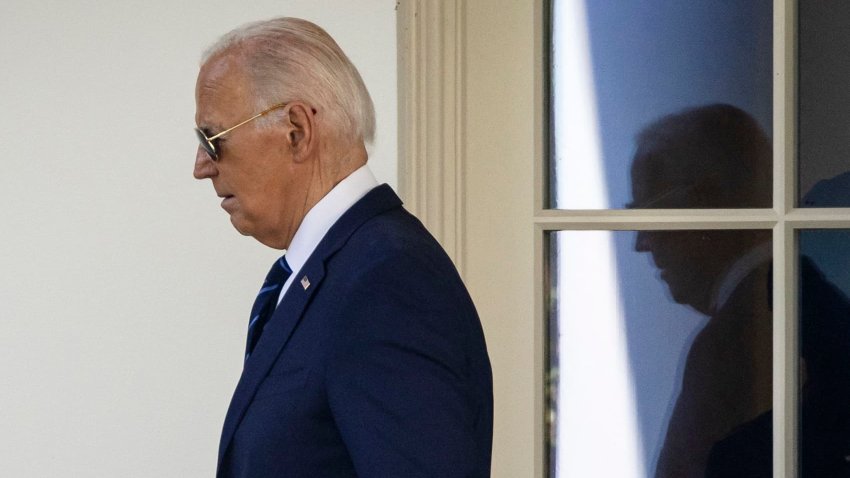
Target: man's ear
300, 130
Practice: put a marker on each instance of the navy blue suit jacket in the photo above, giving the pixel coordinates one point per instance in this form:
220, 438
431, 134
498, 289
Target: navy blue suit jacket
373, 365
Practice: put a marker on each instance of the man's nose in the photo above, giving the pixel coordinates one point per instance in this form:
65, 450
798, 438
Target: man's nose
204, 165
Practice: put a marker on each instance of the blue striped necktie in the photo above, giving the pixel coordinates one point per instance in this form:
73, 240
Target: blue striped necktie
266, 302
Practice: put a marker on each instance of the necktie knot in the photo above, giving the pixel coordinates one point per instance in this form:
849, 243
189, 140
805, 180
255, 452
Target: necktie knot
266, 302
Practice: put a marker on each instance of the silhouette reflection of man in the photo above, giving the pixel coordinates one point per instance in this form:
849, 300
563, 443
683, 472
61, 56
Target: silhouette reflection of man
717, 157
711, 157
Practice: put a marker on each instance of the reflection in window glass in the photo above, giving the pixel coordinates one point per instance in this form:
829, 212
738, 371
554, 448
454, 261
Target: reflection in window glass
824, 104
659, 351
689, 81
825, 353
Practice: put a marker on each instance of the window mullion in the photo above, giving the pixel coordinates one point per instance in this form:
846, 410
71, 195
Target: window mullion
785, 356
785, 279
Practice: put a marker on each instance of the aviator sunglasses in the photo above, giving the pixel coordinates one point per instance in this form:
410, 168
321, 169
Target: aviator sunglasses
210, 143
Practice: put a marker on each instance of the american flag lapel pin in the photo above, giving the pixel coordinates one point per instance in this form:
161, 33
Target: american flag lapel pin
305, 282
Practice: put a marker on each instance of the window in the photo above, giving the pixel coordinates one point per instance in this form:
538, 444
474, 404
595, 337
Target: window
681, 239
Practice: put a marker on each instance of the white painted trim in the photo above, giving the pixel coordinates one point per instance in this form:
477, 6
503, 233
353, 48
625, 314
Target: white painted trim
785, 323
431, 115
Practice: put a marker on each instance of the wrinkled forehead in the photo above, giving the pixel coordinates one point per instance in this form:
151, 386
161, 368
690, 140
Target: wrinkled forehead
221, 91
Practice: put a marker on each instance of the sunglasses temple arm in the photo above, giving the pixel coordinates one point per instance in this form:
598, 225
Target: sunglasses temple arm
234, 127
261, 113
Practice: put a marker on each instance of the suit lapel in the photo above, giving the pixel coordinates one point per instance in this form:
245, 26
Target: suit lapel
274, 338
291, 309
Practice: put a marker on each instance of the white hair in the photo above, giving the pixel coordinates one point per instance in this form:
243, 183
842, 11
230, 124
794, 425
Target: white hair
290, 59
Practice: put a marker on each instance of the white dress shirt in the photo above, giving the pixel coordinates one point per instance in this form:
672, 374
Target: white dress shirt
322, 216
739, 271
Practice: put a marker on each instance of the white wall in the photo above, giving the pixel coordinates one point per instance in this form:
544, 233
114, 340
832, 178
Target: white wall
124, 291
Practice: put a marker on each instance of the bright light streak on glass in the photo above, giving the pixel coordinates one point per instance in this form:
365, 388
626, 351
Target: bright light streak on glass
581, 184
597, 428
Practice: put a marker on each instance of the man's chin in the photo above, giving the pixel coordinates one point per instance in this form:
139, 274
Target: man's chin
268, 237
239, 225
693, 299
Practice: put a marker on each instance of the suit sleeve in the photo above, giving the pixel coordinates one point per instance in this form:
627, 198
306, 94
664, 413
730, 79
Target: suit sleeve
399, 382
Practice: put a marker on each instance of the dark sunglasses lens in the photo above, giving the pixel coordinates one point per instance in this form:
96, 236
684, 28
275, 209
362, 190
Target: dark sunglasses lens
206, 144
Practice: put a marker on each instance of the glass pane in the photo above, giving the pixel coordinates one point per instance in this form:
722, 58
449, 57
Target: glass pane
683, 89
825, 353
659, 351
824, 104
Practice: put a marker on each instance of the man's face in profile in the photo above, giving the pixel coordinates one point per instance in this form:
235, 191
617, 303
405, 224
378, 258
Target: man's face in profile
252, 174
689, 261
684, 261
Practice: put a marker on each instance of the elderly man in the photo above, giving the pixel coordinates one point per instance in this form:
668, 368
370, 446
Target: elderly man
365, 355
713, 156
717, 156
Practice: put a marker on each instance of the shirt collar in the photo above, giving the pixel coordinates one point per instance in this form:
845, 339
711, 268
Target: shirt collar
326, 212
